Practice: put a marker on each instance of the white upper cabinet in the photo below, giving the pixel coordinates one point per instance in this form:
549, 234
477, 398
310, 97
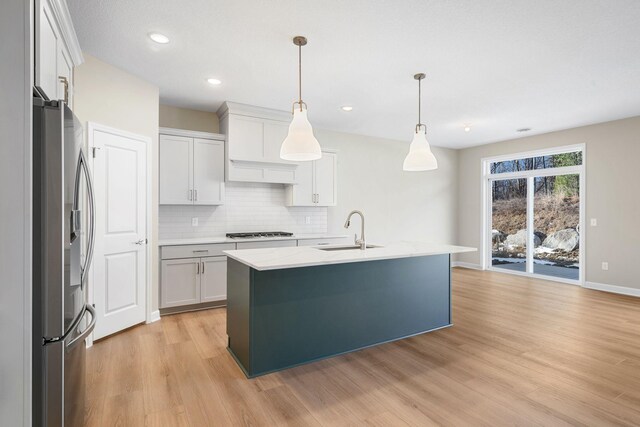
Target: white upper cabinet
254, 136
317, 183
56, 49
325, 179
176, 170
208, 171
191, 168
303, 193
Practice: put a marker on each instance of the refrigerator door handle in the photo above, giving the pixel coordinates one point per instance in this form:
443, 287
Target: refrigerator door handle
83, 167
80, 338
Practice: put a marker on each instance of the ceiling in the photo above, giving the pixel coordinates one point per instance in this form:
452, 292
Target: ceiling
496, 65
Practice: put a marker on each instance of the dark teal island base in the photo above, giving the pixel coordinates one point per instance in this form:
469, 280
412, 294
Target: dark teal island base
277, 319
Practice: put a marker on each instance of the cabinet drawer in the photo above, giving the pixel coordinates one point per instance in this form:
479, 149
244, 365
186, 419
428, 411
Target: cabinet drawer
321, 242
267, 244
190, 251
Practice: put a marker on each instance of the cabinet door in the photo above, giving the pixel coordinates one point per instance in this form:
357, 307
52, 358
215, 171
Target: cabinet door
46, 50
213, 279
65, 68
274, 134
325, 176
180, 282
208, 172
246, 137
302, 191
176, 170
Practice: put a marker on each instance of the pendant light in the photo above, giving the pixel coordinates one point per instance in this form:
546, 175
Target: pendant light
300, 144
420, 157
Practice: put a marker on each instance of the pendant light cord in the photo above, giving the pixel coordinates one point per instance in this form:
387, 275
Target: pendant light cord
419, 78
419, 102
300, 76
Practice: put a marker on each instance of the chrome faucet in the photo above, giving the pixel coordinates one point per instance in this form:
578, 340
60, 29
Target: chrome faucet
361, 241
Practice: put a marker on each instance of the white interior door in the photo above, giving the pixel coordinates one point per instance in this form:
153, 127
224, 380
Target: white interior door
208, 171
119, 272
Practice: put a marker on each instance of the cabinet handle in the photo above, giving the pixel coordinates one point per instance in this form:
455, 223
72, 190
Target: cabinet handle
198, 268
190, 195
65, 82
196, 195
202, 267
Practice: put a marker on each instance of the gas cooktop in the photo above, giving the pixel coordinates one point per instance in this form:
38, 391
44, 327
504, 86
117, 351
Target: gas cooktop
257, 234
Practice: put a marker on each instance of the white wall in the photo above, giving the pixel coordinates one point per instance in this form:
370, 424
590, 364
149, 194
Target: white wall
612, 176
110, 96
248, 207
15, 213
397, 205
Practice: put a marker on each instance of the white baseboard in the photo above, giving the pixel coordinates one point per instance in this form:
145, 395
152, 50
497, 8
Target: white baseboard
634, 292
155, 316
466, 265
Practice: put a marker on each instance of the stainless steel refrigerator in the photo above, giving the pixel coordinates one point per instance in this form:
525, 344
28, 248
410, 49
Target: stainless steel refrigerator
63, 236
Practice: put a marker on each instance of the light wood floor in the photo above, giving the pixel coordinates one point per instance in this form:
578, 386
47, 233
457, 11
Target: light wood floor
522, 352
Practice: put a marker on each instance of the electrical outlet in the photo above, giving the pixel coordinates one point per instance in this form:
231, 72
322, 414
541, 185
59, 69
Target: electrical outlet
307, 220
194, 222
605, 266
594, 222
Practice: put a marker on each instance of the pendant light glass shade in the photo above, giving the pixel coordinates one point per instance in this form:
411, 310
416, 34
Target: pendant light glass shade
300, 144
420, 157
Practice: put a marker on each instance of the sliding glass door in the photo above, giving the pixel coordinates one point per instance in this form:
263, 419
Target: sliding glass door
556, 220
509, 224
535, 215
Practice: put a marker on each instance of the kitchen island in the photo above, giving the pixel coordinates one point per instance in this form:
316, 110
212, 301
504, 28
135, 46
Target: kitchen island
290, 306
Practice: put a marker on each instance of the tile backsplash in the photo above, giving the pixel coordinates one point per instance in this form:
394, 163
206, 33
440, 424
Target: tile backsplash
248, 207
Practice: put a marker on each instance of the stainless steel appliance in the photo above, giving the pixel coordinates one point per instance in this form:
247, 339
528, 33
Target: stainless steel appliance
62, 252
258, 234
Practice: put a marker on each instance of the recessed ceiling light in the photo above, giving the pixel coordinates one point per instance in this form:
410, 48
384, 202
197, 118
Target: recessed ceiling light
523, 130
159, 38
213, 81
346, 108
467, 128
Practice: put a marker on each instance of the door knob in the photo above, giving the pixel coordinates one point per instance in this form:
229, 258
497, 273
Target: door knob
140, 242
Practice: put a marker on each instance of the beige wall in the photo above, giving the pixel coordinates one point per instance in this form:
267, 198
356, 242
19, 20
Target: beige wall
185, 118
397, 205
612, 177
109, 96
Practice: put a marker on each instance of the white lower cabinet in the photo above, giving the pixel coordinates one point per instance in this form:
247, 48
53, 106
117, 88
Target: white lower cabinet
193, 281
180, 282
213, 279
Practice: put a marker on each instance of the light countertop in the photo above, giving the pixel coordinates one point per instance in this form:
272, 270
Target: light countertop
224, 239
305, 256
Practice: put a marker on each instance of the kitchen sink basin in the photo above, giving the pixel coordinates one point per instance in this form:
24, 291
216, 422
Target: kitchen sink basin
347, 248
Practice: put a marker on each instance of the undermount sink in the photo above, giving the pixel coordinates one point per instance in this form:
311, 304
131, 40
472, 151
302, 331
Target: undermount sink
347, 248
